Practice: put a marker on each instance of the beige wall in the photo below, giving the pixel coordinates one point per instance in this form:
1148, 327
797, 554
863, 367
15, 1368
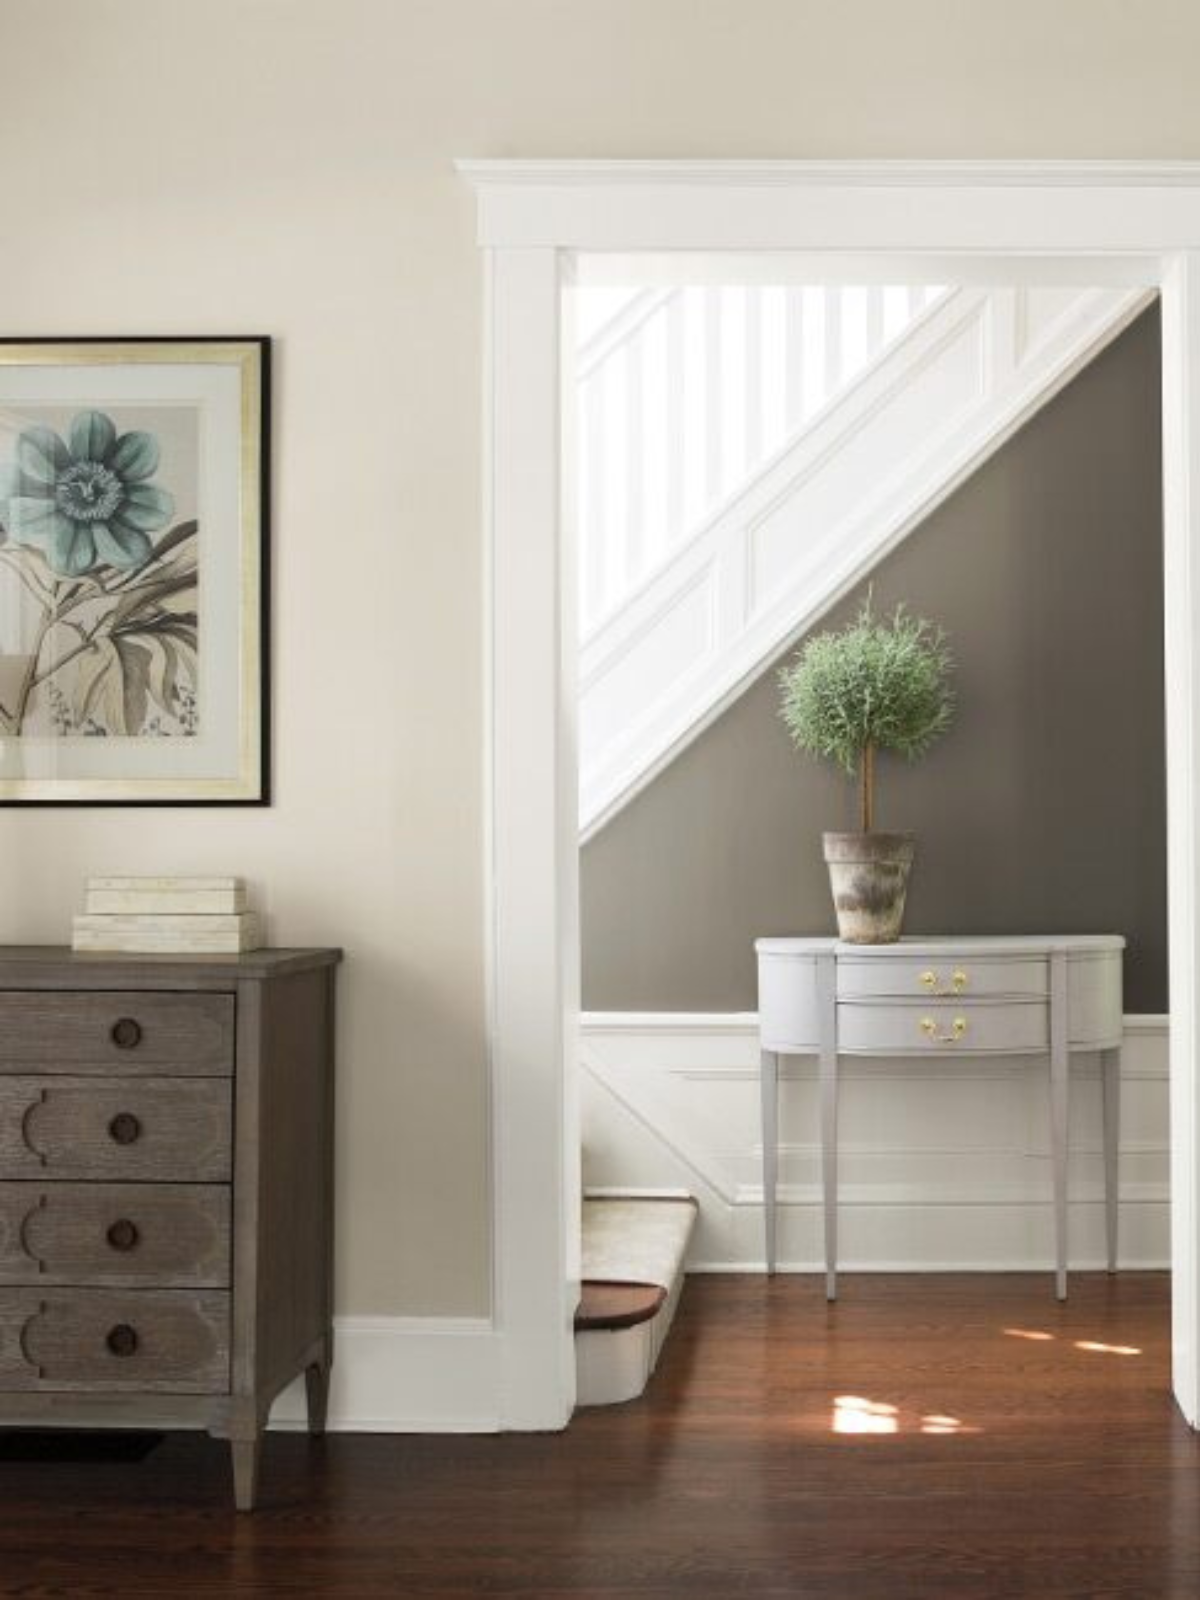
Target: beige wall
283, 166
1044, 808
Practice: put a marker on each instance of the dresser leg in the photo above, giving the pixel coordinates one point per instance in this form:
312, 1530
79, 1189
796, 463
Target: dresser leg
316, 1383
770, 1147
1110, 1063
246, 1455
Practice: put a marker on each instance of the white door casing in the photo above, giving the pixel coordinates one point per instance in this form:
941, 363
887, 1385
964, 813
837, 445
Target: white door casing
1098, 224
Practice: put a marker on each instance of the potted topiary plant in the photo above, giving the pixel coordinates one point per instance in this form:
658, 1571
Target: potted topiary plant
875, 685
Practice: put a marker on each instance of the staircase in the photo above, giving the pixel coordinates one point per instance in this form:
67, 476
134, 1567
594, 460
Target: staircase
634, 1254
748, 453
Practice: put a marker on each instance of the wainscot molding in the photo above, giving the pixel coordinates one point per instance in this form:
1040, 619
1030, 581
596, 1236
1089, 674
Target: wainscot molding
945, 1165
407, 1375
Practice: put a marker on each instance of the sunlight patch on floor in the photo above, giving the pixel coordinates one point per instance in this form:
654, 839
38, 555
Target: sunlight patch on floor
1094, 1345
852, 1413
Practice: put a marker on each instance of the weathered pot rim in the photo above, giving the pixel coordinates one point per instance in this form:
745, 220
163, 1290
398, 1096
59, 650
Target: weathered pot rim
891, 847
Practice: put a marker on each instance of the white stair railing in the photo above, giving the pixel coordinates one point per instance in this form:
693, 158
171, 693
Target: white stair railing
685, 393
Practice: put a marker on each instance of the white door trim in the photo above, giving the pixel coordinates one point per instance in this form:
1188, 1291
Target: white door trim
1110, 221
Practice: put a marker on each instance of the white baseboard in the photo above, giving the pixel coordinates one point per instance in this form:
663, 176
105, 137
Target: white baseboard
407, 1375
945, 1166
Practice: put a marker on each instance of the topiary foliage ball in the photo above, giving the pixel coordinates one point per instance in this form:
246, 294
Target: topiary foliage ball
878, 684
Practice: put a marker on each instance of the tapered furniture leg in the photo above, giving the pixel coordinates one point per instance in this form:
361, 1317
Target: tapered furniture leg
246, 1453
827, 1000
770, 1147
316, 1383
1110, 1068
1060, 1069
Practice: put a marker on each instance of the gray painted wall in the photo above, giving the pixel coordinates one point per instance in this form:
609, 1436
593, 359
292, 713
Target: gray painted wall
1042, 811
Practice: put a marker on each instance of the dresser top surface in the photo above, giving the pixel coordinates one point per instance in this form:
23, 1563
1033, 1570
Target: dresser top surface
60, 966
937, 945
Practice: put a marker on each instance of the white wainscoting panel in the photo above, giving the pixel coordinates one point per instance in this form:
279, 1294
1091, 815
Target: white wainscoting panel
943, 1165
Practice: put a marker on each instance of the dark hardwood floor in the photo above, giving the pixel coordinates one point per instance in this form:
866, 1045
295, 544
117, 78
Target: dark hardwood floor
1013, 1447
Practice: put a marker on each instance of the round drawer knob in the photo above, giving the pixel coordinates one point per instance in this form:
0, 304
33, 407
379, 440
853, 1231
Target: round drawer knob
125, 1128
122, 1340
126, 1033
123, 1235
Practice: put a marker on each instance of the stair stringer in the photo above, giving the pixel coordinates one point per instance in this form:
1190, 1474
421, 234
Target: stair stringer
816, 520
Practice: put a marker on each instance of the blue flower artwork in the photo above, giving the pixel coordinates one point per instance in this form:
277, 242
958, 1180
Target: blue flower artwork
99, 623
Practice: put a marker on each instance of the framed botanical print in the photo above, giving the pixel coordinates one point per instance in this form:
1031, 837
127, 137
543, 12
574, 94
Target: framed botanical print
133, 571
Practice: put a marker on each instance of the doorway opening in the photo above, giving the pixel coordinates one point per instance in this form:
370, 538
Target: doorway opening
753, 445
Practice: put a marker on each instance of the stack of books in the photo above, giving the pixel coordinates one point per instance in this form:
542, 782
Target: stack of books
157, 916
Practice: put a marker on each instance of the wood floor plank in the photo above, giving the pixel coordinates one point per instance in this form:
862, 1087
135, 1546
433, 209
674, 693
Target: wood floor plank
926, 1438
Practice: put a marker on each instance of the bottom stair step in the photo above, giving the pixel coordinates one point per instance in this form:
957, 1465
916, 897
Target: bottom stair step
634, 1252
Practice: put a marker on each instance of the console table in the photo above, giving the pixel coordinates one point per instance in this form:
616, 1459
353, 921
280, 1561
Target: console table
1050, 996
166, 1190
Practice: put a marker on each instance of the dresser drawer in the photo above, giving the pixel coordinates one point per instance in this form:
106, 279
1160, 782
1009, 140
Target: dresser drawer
120, 1235
119, 1129
958, 1026
50, 1031
96, 1339
941, 977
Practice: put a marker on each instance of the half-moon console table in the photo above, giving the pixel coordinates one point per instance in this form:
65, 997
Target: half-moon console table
950, 997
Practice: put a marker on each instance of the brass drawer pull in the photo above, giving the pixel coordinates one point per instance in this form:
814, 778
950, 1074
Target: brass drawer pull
125, 1128
958, 1029
123, 1235
933, 983
122, 1340
126, 1033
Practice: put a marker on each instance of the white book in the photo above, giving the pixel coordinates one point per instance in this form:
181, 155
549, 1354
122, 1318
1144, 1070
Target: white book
168, 935
160, 884
168, 902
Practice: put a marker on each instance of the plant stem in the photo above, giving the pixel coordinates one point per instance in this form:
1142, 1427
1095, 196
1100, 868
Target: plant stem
866, 787
28, 683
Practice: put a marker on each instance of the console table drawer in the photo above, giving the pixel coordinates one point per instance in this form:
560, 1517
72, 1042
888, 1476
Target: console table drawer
957, 1027
45, 1031
168, 1342
115, 1235
944, 978
120, 1129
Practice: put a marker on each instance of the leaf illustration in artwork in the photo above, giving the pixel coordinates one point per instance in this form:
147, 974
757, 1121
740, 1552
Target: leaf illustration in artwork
145, 649
98, 688
135, 681
159, 658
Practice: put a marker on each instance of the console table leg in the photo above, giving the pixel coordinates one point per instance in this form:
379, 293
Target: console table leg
1110, 1065
827, 991
1060, 1069
770, 1147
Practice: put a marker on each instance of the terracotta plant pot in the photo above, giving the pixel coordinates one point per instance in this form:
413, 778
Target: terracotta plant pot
868, 873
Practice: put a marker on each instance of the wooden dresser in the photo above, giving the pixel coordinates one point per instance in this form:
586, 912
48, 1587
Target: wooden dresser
166, 1202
